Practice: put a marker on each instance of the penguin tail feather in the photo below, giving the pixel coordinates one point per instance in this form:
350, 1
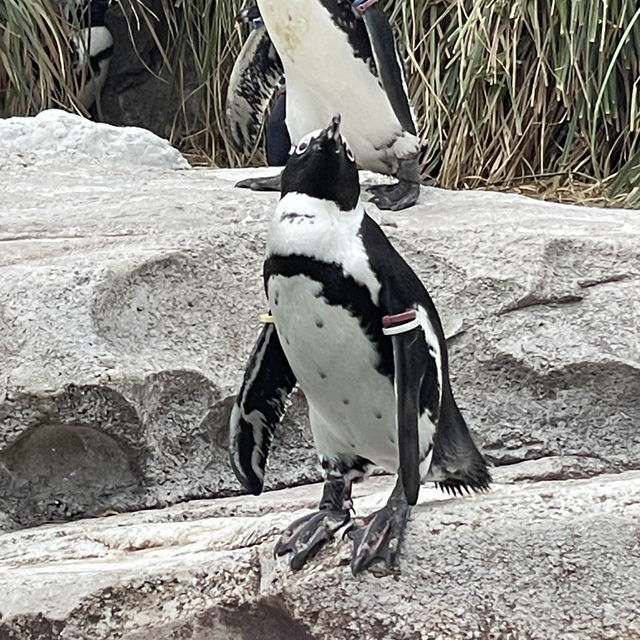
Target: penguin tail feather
457, 463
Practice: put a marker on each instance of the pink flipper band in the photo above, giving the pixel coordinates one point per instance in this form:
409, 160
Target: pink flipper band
361, 8
400, 322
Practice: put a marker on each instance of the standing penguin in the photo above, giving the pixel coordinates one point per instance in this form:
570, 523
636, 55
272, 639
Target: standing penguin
93, 49
355, 328
337, 55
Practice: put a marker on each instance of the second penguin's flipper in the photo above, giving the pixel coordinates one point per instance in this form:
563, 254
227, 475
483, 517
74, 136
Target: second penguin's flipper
277, 139
253, 81
259, 407
388, 64
268, 183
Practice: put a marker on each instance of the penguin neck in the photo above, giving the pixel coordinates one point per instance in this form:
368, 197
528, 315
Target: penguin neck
304, 225
302, 203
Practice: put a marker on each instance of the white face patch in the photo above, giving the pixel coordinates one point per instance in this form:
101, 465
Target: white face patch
304, 143
90, 42
348, 150
318, 229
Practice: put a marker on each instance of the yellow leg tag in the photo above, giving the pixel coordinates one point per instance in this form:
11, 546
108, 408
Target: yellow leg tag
267, 318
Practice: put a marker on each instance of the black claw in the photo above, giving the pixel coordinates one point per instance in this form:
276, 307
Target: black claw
347, 532
460, 487
304, 537
378, 538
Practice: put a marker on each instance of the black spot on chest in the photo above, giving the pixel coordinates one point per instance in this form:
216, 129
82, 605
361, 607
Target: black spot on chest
291, 217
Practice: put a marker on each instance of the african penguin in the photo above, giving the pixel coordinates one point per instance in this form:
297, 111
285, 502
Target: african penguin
337, 55
93, 49
355, 328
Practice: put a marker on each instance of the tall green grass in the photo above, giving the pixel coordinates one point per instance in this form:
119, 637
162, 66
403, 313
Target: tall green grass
507, 92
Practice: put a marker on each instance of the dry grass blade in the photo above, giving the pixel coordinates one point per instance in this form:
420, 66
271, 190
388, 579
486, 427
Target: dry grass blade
34, 59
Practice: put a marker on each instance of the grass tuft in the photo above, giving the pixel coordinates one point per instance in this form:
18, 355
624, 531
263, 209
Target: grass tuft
537, 95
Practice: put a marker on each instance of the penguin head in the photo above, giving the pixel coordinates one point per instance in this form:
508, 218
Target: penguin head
248, 14
323, 166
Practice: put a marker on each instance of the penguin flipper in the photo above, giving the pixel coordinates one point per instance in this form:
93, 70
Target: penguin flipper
259, 407
410, 366
253, 81
389, 65
456, 464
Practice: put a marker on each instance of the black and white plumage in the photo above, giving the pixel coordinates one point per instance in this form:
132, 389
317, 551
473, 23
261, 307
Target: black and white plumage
253, 80
334, 59
332, 279
252, 89
92, 48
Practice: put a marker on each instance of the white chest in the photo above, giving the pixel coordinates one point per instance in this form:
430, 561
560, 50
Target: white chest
351, 403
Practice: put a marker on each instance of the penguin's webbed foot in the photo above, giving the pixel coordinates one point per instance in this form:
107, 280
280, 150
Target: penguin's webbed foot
304, 537
267, 183
378, 536
394, 197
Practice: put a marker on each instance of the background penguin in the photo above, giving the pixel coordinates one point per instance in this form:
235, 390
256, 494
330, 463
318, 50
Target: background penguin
337, 55
277, 140
93, 49
355, 328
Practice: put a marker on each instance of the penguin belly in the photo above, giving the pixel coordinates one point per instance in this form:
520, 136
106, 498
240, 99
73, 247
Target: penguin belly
324, 77
351, 404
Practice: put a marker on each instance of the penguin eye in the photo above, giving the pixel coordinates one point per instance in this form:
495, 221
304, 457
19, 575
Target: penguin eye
306, 141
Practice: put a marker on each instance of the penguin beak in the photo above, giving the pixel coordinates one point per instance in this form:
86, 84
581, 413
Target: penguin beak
334, 128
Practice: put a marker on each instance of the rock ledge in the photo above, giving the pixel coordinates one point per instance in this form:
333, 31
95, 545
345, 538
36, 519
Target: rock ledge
533, 561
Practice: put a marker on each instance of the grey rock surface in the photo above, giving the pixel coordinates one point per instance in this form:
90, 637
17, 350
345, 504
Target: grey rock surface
130, 298
524, 561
